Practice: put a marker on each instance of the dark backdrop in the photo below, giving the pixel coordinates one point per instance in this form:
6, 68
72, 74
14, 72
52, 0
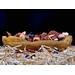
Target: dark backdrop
36, 21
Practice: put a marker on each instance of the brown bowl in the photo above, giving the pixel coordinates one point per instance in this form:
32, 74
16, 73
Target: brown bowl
14, 41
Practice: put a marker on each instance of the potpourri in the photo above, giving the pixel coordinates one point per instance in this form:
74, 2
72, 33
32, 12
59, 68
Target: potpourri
52, 48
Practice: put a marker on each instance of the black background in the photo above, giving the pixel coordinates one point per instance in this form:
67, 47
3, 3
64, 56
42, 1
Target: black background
37, 21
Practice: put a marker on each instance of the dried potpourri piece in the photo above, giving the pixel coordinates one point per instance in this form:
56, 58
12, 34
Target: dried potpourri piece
18, 34
36, 38
53, 35
43, 36
54, 32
